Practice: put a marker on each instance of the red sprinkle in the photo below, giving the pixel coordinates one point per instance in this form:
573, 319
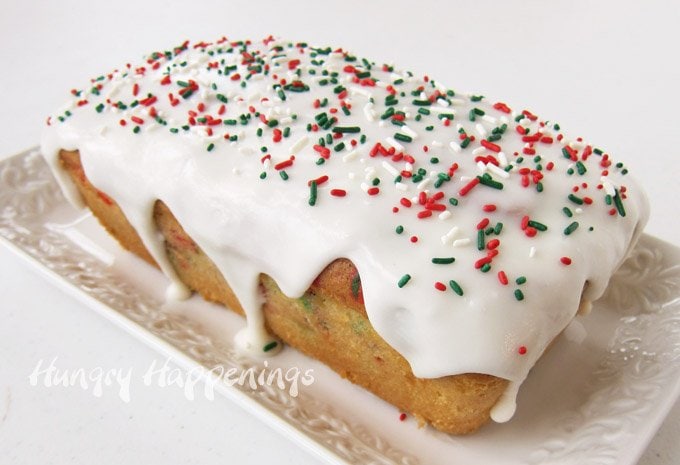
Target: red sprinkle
490, 145
503, 278
522, 350
414, 239
483, 224
424, 214
440, 286
468, 187
338, 192
373, 191
402, 417
489, 207
566, 260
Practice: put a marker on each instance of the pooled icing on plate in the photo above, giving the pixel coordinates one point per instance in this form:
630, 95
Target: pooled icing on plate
476, 227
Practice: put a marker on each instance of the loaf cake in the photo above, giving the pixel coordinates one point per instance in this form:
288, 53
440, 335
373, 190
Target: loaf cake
425, 243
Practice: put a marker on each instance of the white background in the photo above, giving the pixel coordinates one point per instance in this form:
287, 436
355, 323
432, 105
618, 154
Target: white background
607, 70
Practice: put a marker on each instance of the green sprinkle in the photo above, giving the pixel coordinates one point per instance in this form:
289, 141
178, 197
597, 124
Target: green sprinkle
423, 111
499, 227
270, 346
537, 225
456, 287
356, 286
421, 103
443, 260
453, 201
403, 137
488, 181
222, 98
339, 146
521, 280
581, 168
346, 129
619, 204
571, 228
576, 200
567, 212
99, 108
399, 229
485, 268
404, 279
210, 147
283, 175
136, 129
263, 175
312, 194
480, 240
519, 295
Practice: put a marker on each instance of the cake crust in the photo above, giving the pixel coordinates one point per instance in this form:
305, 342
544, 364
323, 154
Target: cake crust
328, 323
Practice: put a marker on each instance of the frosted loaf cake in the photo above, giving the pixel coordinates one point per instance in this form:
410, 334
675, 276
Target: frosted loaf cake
339, 191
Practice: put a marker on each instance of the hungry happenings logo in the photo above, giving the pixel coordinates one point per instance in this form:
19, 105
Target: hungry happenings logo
97, 380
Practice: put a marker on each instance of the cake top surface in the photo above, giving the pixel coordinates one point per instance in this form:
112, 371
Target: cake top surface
477, 227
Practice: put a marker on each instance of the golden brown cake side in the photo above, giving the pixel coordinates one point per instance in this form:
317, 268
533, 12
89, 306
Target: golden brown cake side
328, 323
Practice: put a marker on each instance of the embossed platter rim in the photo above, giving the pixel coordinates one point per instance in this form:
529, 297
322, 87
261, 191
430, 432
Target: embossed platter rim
624, 359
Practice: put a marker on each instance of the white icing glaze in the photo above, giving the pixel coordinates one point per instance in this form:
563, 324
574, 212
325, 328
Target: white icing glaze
248, 225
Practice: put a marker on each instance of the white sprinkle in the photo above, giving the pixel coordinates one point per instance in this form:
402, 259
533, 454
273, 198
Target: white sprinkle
299, 144
503, 159
369, 173
286, 120
423, 184
461, 242
578, 210
480, 129
103, 130
369, 112
609, 186
267, 163
390, 169
479, 150
497, 171
394, 143
350, 156
454, 146
532, 252
361, 91
408, 166
442, 110
504, 119
448, 237
489, 119
364, 187
401, 186
457, 101
351, 175
409, 132
481, 166
436, 143
443, 102
445, 215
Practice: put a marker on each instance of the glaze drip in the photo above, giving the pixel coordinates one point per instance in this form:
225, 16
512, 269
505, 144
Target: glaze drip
474, 226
